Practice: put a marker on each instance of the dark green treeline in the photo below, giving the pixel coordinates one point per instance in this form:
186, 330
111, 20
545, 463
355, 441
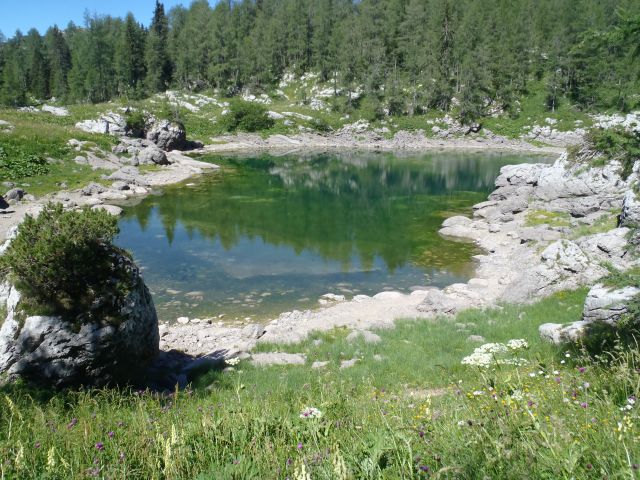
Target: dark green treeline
408, 55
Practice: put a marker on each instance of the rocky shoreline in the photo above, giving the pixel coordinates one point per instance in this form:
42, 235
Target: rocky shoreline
355, 138
521, 263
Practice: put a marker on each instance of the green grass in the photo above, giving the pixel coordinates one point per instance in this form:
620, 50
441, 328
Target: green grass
546, 217
415, 409
532, 110
602, 224
45, 136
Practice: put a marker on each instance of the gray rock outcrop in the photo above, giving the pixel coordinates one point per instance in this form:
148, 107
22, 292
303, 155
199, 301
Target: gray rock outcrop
167, 135
603, 306
53, 351
630, 216
607, 305
15, 195
110, 124
152, 155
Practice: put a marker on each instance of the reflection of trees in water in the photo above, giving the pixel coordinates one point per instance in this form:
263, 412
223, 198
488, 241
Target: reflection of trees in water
341, 208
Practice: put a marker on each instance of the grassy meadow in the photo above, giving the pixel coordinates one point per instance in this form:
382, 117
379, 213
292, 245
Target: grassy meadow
407, 409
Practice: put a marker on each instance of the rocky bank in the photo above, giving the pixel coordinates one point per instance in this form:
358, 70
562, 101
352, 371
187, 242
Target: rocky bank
523, 260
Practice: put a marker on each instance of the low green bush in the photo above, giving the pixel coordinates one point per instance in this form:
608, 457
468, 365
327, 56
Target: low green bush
64, 262
136, 123
246, 117
616, 144
16, 163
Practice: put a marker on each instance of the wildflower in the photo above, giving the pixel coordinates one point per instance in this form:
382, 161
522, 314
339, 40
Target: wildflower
37, 445
301, 473
121, 457
532, 374
300, 445
562, 362
232, 361
310, 412
586, 384
461, 423
421, 433
556, 372
339, 466
631, 400
568, 355
99, 446
72, 423
582, 369
517, 344
477, 393
51, 458
424, 468
517, 395
19, 456
111, 434
584, 404
558, 380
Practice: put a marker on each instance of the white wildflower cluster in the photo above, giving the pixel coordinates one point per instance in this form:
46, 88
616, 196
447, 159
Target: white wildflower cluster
517, 344
496, 354
232, 361
517, 395
478, 359
310, 412
631, 401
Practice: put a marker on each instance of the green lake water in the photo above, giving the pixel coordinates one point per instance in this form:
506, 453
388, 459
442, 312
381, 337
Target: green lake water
269, 234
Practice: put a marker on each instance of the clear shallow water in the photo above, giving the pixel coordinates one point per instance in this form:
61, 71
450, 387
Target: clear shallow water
269, 234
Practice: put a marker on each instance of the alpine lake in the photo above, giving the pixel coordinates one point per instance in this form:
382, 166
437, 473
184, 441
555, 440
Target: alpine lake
267, 234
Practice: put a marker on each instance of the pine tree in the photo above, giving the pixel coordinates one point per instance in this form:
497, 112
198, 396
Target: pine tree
59, 59
37, 66
129, 57
157, 56
14, 75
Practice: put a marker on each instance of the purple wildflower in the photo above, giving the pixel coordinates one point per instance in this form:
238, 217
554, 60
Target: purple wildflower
72, 423
584, 404
111, 434
582, 369
300, 445
100, 446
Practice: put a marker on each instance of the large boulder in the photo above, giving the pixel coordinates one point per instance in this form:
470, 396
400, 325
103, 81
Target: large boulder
603, 306
15, 195
152, 155
607, 305
168, 135
54, 351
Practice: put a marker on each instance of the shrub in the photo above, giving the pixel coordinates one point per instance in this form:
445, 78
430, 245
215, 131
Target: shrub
320, 125
15, 163
616, 144
64, 262
247, 117
136, 123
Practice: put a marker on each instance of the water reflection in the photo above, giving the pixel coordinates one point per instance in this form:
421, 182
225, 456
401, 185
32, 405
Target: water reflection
268, 232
